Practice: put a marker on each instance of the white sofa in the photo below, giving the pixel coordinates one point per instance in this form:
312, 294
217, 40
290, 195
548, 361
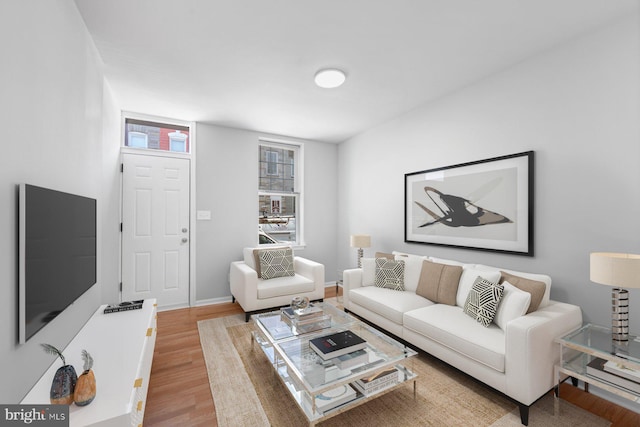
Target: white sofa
254, 293
516, 358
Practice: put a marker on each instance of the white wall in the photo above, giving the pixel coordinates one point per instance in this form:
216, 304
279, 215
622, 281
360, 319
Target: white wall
577, 106
226, 185
51, 109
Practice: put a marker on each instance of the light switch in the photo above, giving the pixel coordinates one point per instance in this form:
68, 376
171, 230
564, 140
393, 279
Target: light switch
203, 215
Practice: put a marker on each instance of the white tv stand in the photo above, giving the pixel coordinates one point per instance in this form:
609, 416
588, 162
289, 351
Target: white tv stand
122, 347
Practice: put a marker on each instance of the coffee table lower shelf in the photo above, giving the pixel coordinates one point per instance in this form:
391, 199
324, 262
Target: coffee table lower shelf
299, 394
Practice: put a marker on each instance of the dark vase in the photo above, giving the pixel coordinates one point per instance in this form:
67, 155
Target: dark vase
63, 386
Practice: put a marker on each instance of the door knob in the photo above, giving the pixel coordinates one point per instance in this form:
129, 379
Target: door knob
184, 230
185, 240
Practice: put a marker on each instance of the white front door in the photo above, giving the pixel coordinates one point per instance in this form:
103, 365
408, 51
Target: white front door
155, 229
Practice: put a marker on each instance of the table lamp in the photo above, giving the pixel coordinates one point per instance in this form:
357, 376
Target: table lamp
360, 241
621, 271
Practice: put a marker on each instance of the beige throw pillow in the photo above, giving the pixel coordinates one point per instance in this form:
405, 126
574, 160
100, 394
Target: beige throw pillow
534, 287
384, 255
439, 282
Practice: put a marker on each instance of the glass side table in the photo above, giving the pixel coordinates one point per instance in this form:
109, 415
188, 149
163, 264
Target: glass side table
582, 351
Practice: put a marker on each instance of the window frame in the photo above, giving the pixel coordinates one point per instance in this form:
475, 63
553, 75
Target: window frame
137, 134
161, 123
298, 184
272, 160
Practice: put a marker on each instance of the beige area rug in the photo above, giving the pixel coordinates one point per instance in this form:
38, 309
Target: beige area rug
246, 392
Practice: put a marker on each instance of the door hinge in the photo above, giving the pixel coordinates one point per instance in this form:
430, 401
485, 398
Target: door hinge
120, 286
121, 167
121, 227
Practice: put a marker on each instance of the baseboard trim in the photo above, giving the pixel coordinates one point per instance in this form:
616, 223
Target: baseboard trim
212, 301
223, 300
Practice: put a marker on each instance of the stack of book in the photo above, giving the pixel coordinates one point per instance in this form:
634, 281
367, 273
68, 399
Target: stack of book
301, 314
379, 381
336, 345
306, 320
614, 373
333, 398
352, 359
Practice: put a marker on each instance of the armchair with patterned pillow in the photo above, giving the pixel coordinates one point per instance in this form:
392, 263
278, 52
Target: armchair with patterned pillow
270, 277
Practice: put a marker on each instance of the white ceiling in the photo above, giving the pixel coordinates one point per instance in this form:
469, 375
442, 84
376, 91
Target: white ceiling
250, 63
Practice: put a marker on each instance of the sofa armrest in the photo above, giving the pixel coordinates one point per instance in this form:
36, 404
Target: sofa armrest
532, 352
351, 279
312, 270
243, 281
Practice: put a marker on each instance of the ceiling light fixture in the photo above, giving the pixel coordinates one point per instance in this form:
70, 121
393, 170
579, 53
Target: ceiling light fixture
330, 78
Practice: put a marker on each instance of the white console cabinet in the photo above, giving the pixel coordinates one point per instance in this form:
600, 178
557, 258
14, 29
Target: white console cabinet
122, 348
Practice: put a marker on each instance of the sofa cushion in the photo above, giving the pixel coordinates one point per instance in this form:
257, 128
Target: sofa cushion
384, 255
252, 259
482, 301
289, 285
468, 278
369, 268
514, 303
389, 274
450, 327
535, 288
532, 276
412, 269
449, 262
386, 302
368, 271
439, 282
275, 262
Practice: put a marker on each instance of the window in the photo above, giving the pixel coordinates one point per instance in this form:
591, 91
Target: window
156, 135
138, 139
178, 141
272, 163
279, 192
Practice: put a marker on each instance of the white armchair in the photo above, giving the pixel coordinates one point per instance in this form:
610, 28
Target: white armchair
255, 293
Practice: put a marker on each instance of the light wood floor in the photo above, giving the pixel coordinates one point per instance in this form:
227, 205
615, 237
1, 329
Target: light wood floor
179, 392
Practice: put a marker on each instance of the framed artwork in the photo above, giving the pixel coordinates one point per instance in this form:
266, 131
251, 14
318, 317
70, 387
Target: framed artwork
484, 205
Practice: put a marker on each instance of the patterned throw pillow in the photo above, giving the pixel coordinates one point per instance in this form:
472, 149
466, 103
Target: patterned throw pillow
482, 301
389, 274
276, 263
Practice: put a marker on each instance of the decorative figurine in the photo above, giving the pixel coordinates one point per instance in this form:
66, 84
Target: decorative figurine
64, 380
85, 390
299, 303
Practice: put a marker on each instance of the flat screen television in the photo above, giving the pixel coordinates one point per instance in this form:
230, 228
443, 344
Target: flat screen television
57, 254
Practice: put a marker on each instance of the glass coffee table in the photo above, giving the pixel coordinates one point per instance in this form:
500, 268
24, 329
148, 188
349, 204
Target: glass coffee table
325, 388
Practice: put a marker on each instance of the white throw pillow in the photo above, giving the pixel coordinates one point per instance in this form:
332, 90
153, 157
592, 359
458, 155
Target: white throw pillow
368, 271
412, 269
468, 277
514, 303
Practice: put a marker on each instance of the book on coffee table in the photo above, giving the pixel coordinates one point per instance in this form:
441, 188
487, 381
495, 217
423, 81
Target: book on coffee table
337, 344
598, 368
302, 314
335, 397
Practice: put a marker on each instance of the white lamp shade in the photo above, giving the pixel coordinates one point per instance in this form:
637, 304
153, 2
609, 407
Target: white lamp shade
614, 269
360, 241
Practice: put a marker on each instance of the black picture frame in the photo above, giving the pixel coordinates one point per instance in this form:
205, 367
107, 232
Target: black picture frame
483, 205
